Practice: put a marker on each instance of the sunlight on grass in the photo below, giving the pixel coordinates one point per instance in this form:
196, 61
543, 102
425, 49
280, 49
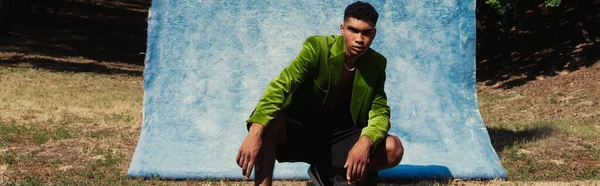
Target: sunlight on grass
82, 97
484, 98
581, 128
73, 125
538, 150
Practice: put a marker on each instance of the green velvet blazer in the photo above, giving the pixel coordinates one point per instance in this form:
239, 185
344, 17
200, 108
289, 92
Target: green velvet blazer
302, 89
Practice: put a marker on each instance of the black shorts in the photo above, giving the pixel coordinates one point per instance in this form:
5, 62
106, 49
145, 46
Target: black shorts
319, 143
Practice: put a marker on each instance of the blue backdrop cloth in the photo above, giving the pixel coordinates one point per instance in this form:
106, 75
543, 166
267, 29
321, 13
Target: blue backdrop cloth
208, 62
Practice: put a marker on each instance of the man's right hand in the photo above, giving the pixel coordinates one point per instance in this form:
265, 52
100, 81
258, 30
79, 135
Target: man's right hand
250, 148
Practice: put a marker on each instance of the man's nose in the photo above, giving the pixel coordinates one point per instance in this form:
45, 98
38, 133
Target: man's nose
359, 38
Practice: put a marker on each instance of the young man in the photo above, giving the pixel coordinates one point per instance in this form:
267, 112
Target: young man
327, 108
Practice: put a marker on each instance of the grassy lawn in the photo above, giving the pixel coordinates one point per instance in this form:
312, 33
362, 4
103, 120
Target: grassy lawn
82, 128
67, 127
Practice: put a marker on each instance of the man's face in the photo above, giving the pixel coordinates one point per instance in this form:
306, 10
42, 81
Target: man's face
358, 36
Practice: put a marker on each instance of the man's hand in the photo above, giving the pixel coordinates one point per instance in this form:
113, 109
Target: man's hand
249, 149
358, 157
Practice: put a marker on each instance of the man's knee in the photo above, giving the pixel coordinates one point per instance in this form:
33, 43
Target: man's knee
394, 149
277, 121
279, 128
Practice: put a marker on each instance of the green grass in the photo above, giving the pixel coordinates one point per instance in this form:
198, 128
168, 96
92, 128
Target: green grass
120, 117
10, 132
585, 128
62, 133
30, 180
493, 98
581, 128
7, 129
9, 157
532, 167
535, 165
39, 138
100, 134
553, 100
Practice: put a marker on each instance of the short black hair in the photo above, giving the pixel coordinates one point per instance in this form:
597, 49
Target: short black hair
361, 11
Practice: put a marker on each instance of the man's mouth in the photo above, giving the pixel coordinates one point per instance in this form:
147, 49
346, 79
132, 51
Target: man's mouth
358, 48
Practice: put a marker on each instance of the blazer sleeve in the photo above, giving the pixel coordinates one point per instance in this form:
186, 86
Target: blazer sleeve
378, 124
280, 87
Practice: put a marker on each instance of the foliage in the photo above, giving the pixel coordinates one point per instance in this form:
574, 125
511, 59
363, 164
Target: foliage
504, 7
552, 3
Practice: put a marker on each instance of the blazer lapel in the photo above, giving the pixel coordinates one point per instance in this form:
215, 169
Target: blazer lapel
336, 62
359, 91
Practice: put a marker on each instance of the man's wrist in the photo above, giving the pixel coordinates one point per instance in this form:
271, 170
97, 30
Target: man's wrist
365, 140
256, 129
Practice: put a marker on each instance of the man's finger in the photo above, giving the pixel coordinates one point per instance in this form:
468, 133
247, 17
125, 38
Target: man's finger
244, 164
348, 174
355, 171
362, 172
357, 175
249, 168
237, 159
348, 171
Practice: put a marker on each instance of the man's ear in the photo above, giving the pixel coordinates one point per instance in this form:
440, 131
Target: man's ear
341, 28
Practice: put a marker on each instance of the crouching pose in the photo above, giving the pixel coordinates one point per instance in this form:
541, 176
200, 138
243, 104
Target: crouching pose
327, 108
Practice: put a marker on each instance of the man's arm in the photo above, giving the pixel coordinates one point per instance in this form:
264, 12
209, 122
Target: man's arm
284, 84
273, 97
378, 124
249, 149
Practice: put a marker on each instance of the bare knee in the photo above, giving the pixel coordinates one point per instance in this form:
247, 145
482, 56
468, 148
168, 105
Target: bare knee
394, 149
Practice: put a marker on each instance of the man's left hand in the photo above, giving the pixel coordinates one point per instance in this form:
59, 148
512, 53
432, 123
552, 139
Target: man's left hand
358, 158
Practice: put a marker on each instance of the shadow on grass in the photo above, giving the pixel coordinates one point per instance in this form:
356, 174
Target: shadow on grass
530, 41
58, 65
101, 31
503, 138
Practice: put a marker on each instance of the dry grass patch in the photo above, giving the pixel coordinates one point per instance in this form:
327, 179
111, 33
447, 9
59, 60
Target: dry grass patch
67, 128
567, 97
545, 150
553, 160
77, 98
547, 129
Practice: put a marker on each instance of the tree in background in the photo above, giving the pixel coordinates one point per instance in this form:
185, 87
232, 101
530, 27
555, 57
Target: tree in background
12, 11
17, 11
519, 40
499, 17
4, 16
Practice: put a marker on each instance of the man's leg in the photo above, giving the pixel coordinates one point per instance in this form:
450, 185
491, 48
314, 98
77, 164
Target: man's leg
387, 154
265, 161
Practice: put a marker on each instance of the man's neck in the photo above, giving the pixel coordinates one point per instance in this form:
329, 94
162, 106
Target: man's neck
350, 61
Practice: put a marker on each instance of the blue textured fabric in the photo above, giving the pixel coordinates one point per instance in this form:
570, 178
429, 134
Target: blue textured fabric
208, 62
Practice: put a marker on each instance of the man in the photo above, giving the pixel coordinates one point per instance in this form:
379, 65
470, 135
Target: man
327, 108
